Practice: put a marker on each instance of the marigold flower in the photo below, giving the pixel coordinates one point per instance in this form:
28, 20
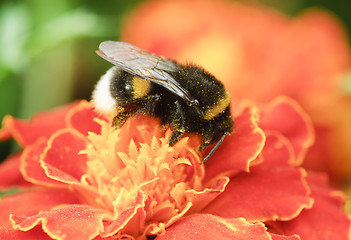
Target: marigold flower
259, 54
79, 178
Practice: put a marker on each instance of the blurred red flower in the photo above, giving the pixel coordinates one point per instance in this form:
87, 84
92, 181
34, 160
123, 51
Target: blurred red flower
79, 178
259, 54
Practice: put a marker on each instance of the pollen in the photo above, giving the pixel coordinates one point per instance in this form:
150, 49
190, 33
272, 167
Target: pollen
141, 87
120, 168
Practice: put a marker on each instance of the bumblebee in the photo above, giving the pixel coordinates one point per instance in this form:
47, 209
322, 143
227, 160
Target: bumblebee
184, 97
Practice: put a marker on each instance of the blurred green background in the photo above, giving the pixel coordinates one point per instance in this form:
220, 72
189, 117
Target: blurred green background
47, 48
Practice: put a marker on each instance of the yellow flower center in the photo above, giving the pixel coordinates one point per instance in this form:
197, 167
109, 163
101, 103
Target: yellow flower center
118, 169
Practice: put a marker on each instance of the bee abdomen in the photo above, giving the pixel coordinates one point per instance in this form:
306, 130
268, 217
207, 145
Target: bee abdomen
102, 96
220, 106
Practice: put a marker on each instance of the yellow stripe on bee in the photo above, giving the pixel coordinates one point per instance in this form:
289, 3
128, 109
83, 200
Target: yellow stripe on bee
141, 87
219, 107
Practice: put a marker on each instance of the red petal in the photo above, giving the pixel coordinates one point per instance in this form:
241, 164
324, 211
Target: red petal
35, 234
277, 152
61, 160
203, 198
31, 168
281, 237
82, 118
325, 220
41, 125
208, 227
240, 148
130, 220
10, 175
286, 117
68, 222
32, 202
266, 192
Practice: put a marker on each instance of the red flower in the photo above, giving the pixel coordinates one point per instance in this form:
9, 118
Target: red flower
260, 54
79, 178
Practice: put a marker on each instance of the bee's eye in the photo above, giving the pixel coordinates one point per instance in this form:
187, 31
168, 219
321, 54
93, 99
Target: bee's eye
194, 102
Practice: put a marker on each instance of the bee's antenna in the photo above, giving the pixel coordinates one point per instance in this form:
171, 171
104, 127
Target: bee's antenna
215, 147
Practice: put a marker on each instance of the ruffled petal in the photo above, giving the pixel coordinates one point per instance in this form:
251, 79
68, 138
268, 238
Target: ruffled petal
32, 202
61, 159
325, 220
285, 116
82, 118
282, 237
73, 222
263, 194
129, 222
201, 199
31, 168
208, 227
41, 125
238, 150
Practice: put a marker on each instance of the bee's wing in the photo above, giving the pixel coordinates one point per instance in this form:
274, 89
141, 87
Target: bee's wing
143, 64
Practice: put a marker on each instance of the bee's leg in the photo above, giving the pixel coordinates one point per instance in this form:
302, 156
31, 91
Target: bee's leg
206, 143
178, 123
176, 135
130, 108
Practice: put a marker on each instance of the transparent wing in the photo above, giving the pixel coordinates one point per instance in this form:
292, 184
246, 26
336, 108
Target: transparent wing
143, 64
